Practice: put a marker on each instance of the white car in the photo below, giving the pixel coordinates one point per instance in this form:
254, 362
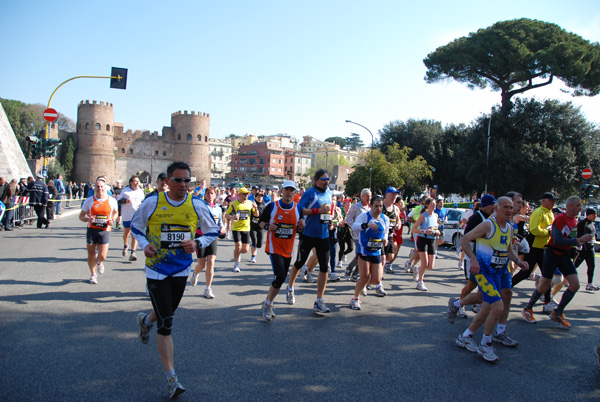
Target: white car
452, 230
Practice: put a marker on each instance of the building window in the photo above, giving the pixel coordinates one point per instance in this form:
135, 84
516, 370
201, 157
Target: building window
252, 161
164, 153
108, 127
198, 138
156, 153
189, 137
262, 161
87, 126
280, 161
280, 169
97, 126
130, 151
122, 150
178, 137
206, 138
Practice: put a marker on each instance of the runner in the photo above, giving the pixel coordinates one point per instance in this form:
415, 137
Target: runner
164, 228
559, 254
392, 212
426, 229
281, 219
239, 213
373, 231
256, 234
316, 204
99, 211
208, 255
130, 199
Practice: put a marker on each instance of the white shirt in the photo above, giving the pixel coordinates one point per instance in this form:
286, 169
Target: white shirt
135, 196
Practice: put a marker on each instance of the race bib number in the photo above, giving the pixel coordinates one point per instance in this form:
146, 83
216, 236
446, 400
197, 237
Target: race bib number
374, 244
216, 218
284, 231
100, 221
325, 218
499, 259
171, 236
254, 220
244, 215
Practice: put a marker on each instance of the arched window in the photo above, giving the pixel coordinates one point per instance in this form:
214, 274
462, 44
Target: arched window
164, 153
178, 137
97, 126
130, 151
122, 150
108, 127
189, 137
156, 153
87, 126
206, 138
198, 138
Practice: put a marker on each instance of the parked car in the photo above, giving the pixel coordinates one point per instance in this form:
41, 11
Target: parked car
452, 231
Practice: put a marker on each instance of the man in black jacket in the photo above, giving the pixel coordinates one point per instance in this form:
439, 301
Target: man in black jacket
586, 226
38, 199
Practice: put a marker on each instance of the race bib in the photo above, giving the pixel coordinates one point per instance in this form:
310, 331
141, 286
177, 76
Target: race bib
171, 236
254, 220
325, 218
100, 221
499, 259
374, 244
284, 231
244, 215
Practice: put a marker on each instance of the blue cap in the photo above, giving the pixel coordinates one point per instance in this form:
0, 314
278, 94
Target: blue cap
487, 199
391, 190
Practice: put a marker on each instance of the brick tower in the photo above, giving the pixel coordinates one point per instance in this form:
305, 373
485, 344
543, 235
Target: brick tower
190, 143
95, 142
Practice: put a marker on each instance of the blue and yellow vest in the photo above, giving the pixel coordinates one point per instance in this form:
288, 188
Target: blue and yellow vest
492, 252
167, 227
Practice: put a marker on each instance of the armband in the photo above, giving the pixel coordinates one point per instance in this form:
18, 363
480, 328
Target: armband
364, 225
315, 211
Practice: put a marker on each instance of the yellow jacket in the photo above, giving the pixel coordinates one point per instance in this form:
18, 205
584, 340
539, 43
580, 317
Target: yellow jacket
539, 222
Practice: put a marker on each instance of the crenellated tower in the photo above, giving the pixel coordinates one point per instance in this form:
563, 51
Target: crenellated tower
190, 144
95, 142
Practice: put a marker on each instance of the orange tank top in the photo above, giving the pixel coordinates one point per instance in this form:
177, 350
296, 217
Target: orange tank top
281, 241
101, 212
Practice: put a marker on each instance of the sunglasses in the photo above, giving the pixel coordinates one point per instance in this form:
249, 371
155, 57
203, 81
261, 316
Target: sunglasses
179, 179
324, 178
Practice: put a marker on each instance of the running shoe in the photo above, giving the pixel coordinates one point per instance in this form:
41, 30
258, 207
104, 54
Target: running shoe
132, 257
466, 342
304, 272
476, 308
461, 313
347, 274
175, 387
389, 269
100, 268
407, 266
421, 286
452, 310
528, 315
504, 339
380, 291
253, 259
488, 352
355, 304
93, 279
267, 311
124, 253
415, 274
208, 293
117, 226
591, 286
194, 280
548, 308
339, 265
560, 319
320, 307
144, 331
334, 277
290, 296
412, 251
460, 265
364, 291
236, 267
353, 278
309, 278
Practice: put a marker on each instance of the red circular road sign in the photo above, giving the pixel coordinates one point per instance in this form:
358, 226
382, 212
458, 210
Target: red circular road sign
586, 173
50, 114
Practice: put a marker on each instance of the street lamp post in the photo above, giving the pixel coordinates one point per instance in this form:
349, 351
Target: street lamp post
372, 141
487, 160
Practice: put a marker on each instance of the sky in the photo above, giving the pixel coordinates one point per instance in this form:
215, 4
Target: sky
263, 67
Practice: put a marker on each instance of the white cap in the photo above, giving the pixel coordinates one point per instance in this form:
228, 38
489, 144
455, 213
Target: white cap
289, 183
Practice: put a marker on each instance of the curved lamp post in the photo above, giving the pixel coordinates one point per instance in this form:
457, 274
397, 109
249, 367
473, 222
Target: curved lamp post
372, 141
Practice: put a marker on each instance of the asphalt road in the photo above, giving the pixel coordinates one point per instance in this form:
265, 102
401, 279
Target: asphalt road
64, 339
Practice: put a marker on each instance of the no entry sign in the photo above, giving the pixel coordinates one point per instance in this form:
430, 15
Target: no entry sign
586, 173
51, 115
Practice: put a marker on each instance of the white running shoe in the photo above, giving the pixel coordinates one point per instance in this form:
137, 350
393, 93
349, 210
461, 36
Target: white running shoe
194, 279
132, 257
320, 307
93, 279
461, 312
466, 342
389, 269
380, 291
309, 278
591, 286
416, 274
355, 304
364, 291
267, 311
208, 293
488, 352
236, 267
253, 259
334, 277
290, 296
100, 268
407, 266
421, 286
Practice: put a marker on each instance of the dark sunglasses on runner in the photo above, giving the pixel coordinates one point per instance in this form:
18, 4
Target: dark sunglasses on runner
179, 179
